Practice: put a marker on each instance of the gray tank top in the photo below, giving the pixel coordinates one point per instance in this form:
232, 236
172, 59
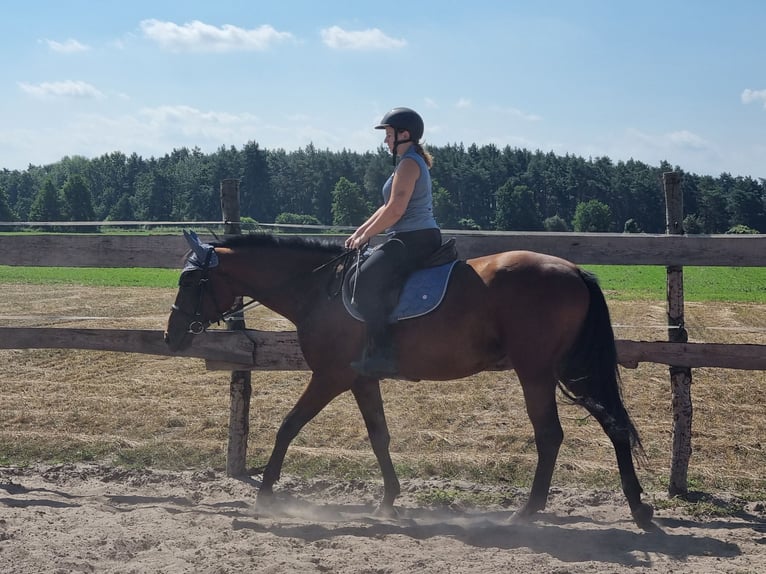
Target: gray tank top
420, 210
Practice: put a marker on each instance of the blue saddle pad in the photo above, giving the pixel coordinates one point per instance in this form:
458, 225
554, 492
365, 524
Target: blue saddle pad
422, 293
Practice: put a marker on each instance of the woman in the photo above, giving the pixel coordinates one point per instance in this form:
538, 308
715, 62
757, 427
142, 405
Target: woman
407, 218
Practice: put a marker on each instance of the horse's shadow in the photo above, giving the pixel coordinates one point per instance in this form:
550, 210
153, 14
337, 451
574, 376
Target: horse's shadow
16, 489
568, 538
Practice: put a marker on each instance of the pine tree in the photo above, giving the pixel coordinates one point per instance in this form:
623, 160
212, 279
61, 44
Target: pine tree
6, 213
46, 206
78, 202
122, 210
516, 209
445, 210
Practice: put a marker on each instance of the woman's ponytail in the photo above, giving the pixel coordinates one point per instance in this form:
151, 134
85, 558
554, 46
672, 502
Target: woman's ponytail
424, 154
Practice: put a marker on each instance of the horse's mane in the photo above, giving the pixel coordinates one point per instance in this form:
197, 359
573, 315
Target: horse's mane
261, 239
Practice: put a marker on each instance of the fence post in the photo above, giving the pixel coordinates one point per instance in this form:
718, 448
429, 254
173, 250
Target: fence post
240, 388
680, 377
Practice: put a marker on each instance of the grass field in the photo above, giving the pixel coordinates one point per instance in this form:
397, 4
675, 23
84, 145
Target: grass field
90, 276
630, 283
625, 283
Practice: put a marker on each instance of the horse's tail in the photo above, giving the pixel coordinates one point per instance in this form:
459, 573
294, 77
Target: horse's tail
589, 375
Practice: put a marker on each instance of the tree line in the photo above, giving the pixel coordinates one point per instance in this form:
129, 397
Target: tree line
475, 187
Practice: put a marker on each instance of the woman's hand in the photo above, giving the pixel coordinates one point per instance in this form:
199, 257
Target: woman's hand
356, 240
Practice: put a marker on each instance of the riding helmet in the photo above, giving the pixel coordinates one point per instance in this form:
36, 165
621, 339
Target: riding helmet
403, 119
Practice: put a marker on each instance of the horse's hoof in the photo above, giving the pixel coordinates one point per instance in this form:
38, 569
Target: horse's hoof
264, 501
386, 511
642, 515
522, 515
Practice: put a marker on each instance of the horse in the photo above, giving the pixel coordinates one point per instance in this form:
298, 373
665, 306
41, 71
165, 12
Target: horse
538, 314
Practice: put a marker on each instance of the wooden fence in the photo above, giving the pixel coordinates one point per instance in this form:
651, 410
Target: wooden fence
272, 351
248, 349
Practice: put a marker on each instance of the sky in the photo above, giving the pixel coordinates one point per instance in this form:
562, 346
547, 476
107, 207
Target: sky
682, 81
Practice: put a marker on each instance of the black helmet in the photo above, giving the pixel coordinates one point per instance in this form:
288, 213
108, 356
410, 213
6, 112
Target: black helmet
403, 119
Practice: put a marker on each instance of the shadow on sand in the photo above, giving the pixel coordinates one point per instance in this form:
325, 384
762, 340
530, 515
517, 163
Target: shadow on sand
570, 538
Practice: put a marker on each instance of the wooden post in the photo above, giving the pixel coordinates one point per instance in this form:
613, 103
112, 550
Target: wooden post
240, 388
680, 377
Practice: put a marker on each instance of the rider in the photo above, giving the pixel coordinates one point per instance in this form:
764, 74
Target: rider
408, 220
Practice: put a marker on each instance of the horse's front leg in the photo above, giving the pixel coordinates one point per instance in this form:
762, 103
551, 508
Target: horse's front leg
319, 392
367, 395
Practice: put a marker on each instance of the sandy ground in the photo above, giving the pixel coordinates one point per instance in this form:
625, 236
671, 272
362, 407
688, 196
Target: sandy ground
80, 518
93, 518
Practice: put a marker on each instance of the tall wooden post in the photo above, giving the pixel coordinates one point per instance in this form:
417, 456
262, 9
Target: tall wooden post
240, 388
680, 377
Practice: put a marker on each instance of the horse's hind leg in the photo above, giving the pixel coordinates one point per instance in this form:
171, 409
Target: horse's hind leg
367, 395
540, 398
620, 437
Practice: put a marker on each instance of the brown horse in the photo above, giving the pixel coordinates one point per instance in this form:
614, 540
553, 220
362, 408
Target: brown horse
540, 315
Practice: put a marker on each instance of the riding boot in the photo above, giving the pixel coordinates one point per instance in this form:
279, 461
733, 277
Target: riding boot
378, 358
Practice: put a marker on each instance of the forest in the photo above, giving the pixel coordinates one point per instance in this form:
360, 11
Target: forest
474, 187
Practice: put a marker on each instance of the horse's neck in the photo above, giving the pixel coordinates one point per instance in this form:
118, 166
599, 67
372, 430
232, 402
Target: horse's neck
281, 279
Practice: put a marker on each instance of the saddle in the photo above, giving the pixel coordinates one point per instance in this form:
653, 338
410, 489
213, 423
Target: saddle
422, 291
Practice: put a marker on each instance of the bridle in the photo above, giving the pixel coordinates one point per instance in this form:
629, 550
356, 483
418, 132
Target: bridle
197, 325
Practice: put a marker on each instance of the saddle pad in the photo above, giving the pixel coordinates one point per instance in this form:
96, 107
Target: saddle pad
422, 293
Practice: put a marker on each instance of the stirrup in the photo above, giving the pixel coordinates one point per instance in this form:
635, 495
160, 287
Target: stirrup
379, 364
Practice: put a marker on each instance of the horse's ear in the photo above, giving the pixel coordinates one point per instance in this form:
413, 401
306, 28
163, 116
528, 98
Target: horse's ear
196, 245
191, 238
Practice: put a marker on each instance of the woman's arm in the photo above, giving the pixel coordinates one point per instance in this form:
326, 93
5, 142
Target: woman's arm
387, 215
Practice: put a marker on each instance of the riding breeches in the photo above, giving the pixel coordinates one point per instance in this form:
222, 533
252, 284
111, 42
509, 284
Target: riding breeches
384, 272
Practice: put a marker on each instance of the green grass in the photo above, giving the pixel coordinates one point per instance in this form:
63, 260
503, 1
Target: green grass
642, 282
90, 276
621, 282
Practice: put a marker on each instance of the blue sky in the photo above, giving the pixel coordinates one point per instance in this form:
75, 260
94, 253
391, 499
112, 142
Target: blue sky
682, 81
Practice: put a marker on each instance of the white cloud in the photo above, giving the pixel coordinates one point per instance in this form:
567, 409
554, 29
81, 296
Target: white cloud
197, 36
370, 39
189, 120
684, 148
517, 113
681, 139
69, 47
687, 139
149, 131
463, 103
750, 96
66, 89
155, 131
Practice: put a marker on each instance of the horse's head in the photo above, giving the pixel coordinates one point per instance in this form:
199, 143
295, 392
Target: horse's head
203, 295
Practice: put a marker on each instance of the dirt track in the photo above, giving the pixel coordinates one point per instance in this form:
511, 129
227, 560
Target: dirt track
76, 518
109, 519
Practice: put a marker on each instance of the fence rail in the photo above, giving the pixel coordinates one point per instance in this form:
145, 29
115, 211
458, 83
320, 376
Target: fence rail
166, 251
252, 349
243, 350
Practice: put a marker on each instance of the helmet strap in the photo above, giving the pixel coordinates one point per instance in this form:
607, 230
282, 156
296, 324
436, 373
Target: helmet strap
397, 141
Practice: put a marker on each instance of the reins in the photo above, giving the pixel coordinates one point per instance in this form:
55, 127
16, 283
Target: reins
198, 326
